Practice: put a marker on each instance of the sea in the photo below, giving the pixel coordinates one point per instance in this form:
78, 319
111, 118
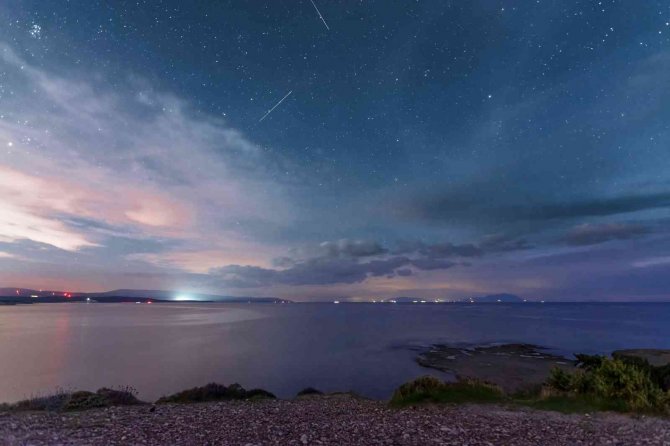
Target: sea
369, 349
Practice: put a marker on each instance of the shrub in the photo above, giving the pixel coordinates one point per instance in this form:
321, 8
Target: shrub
659, 374
309, 391
79, 400
627, 385
259, 394
428, 389
589, 362
560, 380
51, 402
123, 396
215, 392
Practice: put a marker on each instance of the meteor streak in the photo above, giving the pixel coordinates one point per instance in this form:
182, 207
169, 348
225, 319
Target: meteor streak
276, 105
320, 16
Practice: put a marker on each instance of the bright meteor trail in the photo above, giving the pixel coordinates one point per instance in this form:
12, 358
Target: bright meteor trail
276, 105
320, 16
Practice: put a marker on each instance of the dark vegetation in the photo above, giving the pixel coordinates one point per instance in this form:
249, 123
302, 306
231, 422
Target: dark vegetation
79, 400
429, 389
215, 392
309, 391
622, 383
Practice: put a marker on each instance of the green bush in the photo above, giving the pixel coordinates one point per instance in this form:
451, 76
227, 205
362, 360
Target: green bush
428, 389
659, 374
560, 380
215, 392
630, 385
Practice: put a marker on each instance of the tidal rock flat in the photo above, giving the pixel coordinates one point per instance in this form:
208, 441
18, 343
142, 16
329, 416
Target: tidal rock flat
326, 420
513, 367
655, 357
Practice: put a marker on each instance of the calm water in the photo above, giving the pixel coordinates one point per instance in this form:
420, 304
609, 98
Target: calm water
163, 348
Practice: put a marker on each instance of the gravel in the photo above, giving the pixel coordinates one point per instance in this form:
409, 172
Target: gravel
327, 420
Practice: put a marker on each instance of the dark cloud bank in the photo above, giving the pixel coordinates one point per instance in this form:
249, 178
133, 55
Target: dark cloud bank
353, 261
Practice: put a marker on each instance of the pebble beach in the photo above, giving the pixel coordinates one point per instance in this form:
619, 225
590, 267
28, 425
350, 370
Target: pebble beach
326, 420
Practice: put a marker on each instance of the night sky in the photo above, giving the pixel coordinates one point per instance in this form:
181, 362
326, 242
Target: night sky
440, 149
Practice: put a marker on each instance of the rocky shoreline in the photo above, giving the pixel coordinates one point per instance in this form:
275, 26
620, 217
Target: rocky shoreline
231, 415
513, 367
325, 420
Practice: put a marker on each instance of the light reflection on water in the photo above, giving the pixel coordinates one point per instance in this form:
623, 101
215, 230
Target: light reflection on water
163, 348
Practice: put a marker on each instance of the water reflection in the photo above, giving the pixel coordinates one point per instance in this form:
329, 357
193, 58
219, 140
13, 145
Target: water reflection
163, 348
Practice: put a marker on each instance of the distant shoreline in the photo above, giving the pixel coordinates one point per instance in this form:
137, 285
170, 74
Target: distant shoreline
23, 300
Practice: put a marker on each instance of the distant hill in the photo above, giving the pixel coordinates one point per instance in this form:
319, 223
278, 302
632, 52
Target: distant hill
127, 295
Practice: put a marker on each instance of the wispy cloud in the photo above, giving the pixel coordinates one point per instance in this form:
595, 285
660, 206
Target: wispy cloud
652, 261
132, 158
590, 234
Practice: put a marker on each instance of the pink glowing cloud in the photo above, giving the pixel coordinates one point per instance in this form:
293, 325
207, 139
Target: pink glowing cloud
132, 162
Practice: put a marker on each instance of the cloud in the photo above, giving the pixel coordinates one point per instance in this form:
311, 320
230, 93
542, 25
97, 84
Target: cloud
438, 249
488, 244
430, 264
449, 207
597, 207
503, 243
318, 271
446, 249
139, 161
347, 262
352, 248
42, 208
591, 234
651, 262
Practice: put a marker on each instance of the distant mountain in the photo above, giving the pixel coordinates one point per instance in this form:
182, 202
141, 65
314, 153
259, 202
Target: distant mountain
503, 298
126, 295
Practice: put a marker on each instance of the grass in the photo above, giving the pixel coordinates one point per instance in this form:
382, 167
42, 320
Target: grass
428, 389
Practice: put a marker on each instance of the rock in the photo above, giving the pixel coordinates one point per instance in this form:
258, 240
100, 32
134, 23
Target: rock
655, 357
